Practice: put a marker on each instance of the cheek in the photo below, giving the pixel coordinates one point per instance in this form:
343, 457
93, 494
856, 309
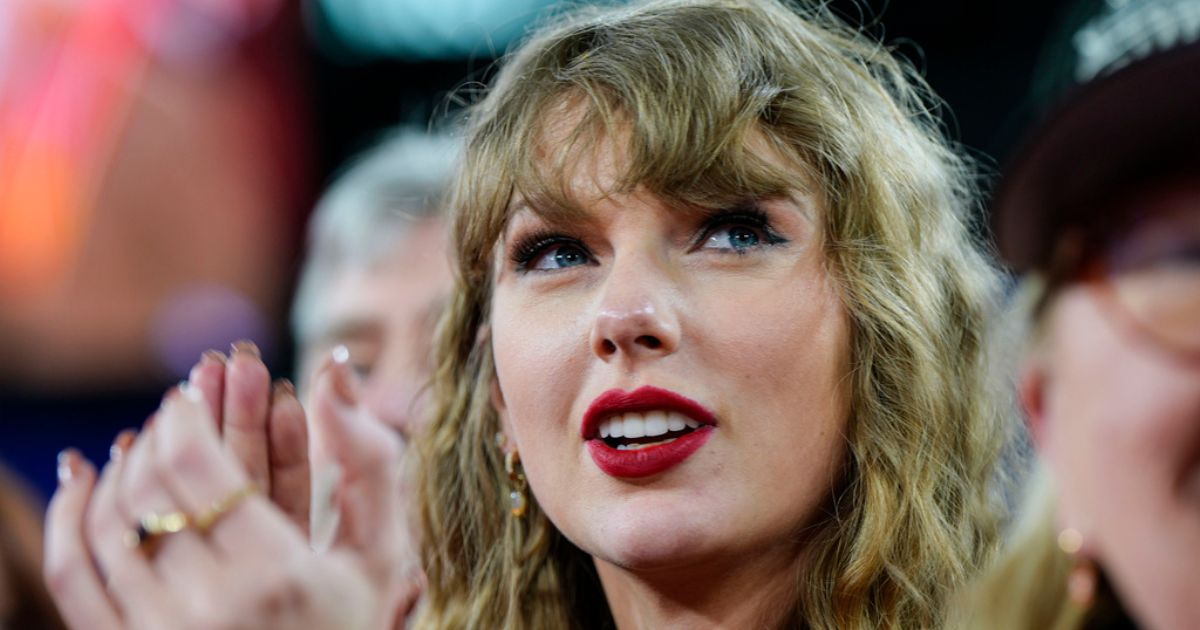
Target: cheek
1117, 405
539, 355
787, 337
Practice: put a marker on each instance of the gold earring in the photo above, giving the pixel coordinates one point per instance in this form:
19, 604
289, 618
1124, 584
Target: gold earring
516, 497
1082, 580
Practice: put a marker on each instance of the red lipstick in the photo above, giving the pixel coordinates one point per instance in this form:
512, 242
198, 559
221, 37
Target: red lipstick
649, 460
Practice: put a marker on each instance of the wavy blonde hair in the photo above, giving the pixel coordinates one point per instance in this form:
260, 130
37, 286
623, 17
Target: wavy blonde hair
689, 84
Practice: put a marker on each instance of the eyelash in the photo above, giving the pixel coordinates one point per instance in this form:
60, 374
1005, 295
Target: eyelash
748, 215
529, 248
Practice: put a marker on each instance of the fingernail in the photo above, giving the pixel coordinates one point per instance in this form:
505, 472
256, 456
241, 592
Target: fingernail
121, 444
212, 356
191, 392
68, 465
346, 383
245, 346
282, 387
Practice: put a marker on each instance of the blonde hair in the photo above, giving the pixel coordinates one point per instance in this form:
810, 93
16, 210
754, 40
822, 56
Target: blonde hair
689, 84
1027, 585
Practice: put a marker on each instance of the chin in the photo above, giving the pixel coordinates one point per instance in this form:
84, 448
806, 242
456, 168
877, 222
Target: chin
646, 535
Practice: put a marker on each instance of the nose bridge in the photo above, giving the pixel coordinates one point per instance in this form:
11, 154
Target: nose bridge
635, 314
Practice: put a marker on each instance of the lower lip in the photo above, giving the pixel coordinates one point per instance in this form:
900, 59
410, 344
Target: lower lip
651, 460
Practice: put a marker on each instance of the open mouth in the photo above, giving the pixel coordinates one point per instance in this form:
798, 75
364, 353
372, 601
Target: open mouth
637, 430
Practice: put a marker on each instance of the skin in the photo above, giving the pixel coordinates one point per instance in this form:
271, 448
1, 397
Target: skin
254, 567
1116, 415
385, 315
759, 337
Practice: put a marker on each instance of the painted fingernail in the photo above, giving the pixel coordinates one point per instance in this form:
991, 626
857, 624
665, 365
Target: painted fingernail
282, 387
68, 465
121, 444
191, 392
345, 382
245, 346
212, 356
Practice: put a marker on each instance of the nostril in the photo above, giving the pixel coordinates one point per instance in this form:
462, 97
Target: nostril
609, 346
649, 341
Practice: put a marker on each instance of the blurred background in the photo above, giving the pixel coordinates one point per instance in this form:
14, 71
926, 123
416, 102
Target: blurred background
159, 159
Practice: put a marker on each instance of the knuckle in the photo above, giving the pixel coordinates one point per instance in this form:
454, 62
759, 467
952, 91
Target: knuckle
185, 459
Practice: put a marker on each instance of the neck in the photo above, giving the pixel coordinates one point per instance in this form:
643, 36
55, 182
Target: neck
744, 592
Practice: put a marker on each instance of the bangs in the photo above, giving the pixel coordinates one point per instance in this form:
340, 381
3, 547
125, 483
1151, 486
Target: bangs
691, 103
651, 149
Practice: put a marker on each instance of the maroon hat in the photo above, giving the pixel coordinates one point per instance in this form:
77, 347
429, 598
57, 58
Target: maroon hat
1136, 113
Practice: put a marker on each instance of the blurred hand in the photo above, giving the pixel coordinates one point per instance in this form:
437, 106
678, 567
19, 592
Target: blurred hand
253, 567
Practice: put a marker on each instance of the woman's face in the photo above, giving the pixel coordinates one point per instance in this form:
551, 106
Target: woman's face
718, 338
1120, 411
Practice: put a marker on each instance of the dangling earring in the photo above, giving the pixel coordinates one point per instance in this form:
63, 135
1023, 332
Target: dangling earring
516, 497
1082, 580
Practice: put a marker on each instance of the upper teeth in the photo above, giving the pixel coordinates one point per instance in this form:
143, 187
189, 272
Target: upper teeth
648, 424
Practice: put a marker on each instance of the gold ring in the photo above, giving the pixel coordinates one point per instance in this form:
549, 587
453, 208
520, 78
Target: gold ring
152, 527
219, 509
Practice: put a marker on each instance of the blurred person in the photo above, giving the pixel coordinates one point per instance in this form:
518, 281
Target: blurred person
24, 602
682, 279
377, 273
1102, 211
375, 279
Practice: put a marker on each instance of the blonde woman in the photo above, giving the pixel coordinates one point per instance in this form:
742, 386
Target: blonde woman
1110, 241
719, 304
714, 357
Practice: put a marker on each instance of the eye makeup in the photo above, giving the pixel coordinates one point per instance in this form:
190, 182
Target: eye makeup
747, 214
530, 247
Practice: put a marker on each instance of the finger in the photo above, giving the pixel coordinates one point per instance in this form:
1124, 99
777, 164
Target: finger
182, 559
290, 470
130, 582
70, 575
200, 474
246, 409
369, 497
209, 376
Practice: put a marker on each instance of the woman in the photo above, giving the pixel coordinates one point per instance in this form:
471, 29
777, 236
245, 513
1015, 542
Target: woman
714, 357
744, 221
1111, 382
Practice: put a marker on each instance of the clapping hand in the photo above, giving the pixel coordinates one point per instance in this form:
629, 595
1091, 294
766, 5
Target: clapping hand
200, 521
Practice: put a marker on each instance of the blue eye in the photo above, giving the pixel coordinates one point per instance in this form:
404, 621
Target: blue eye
739, 230
560, 256
549, 252
734, 237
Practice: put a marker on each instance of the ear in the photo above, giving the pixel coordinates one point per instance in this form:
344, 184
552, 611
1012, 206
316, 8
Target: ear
1033, 389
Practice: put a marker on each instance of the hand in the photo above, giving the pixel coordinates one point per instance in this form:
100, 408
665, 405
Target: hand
263, 426
253, 568
361, 495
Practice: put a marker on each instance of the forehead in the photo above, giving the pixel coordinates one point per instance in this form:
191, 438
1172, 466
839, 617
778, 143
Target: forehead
400, 285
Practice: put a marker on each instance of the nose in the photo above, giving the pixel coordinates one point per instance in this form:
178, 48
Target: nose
636, 318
